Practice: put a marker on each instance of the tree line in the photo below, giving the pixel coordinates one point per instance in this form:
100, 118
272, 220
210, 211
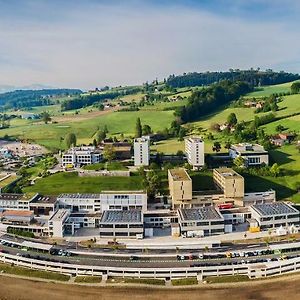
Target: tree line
253, 77
96, 99
29, 98
206, 100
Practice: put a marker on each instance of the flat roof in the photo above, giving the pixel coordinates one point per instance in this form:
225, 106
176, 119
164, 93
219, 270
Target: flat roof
123, 192
227, 172
20, 213
79, 196
249, 148
277, 208
59, 215
179, 174
41, 199
11, 197
195, 139
203, 213
121, 216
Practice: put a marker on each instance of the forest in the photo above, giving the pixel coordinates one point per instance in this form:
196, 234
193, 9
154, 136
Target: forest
255, 78
207, 100
30, 98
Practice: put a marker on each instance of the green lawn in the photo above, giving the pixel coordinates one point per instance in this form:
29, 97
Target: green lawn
113, 166
271, 89
151, 281
117, 122
226, 279
285, 186
20, 271
184, 281
72, 183
88, 279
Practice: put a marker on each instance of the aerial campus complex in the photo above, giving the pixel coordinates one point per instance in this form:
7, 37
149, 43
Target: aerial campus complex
188, 224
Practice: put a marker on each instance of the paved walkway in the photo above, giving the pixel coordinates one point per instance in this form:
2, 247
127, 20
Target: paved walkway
169, 241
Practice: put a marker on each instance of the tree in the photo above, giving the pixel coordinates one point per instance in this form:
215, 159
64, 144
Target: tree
101, 107
70, 140
105, 129
275, 170
232, 119
181, 133
100, 135
216, 147
146, 130
138, 128
295, 87
109, 152
279, 128
45, 116
227, 145
239, 161
151, 183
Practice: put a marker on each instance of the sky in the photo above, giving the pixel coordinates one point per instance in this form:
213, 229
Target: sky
92, 43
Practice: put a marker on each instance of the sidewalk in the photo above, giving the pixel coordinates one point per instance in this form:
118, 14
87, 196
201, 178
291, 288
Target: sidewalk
162, 242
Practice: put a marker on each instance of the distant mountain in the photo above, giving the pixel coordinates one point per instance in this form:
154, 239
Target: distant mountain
4, 88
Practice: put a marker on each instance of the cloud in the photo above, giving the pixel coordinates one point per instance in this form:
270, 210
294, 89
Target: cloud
95, 43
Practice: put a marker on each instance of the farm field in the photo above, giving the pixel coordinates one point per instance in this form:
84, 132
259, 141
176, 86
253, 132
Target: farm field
72, 183
271, 89
118, 122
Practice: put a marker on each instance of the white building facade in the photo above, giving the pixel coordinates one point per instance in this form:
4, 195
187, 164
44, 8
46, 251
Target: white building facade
141, 150
78, 156
194, 149
253, 154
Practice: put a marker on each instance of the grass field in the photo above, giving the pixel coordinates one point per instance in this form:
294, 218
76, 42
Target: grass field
184, 281
118, 122
72, 183
88, 279
286, 186
152, 281
20, 271
113, 166
271, 89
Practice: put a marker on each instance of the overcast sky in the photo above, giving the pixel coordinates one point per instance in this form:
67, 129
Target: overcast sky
92, 43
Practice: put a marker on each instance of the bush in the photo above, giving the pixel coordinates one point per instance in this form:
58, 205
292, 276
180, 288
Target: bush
20, 232
185, 281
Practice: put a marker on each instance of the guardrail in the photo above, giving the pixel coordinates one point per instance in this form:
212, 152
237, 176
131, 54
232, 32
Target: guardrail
255, 270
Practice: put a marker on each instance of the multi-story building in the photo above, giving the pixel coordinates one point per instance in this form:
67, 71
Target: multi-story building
80, 202
43, 205
78, 156
123, 200
273, 215
253, 154
180, 186
57, 224
203, 221
107, 200
230, 182
194, 149
141, 150
122, 224
16, 201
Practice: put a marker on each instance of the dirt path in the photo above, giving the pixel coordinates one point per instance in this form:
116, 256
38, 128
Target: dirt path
20, 289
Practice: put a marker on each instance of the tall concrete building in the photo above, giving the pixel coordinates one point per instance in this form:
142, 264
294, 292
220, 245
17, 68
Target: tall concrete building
180, 186
230, 182
141, 150
194, 149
